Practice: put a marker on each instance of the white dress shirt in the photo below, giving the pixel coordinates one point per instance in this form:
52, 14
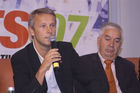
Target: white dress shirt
113, 70
50, 77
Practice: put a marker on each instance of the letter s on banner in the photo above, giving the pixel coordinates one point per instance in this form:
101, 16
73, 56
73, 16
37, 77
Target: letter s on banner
15, 28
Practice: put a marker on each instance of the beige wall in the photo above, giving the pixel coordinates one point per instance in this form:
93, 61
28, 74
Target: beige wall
127, 14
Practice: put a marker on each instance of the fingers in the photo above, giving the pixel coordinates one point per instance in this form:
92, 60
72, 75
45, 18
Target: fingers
52, 56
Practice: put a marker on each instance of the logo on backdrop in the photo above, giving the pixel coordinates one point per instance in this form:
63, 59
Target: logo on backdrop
78, 25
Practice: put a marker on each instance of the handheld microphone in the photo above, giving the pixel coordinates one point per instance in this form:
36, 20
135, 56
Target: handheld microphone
54, 45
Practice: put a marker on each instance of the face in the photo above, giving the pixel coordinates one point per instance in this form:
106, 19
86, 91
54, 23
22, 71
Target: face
44, 27
109, 43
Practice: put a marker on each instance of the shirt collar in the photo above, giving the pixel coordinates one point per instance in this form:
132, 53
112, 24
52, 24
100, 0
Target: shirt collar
39, 56
102, 59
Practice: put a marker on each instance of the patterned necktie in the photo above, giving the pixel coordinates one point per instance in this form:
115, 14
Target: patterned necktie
110, 77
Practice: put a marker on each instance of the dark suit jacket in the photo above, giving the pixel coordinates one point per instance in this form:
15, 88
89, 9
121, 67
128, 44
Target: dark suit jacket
97, 81
25, 64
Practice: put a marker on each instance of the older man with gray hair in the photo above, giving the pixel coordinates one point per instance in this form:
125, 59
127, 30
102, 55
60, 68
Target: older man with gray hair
108, 72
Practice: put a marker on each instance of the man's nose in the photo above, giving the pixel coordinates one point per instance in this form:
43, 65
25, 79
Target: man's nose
48, 29
112, 43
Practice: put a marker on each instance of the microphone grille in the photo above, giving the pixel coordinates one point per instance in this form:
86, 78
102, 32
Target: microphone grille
52, 38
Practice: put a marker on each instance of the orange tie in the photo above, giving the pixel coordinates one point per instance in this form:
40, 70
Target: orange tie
110, 77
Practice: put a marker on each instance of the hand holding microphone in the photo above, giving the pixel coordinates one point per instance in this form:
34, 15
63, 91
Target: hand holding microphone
54, 45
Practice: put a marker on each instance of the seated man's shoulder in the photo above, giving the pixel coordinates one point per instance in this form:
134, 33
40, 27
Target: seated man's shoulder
92, 55
22, 51
63, 43
124, 61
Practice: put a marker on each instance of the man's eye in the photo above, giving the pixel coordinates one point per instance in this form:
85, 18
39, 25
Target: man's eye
52, 25
43, 26
117, 40
107, 38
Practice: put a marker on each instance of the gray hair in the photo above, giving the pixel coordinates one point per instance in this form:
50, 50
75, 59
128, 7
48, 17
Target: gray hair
111, 26
39, 11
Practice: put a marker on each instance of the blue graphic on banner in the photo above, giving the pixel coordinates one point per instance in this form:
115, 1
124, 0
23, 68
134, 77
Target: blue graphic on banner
103, 15
18, 3
89, 5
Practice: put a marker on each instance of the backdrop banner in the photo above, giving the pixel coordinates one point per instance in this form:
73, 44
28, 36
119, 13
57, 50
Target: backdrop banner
78, 21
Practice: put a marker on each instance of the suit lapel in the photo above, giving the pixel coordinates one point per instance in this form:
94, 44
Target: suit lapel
34, 62
34, 58
120, 74
57, 72
102, 73
58, 78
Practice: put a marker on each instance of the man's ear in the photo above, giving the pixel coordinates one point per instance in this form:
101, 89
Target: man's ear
31, 31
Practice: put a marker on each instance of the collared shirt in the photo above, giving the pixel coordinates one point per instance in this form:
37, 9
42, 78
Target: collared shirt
113, 70
50, 77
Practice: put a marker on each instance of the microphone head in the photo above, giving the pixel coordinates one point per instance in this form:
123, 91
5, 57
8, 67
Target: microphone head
52, 38
53, 41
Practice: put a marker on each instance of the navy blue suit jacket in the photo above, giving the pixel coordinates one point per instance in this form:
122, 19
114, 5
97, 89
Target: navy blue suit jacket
97, 81
25, 64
